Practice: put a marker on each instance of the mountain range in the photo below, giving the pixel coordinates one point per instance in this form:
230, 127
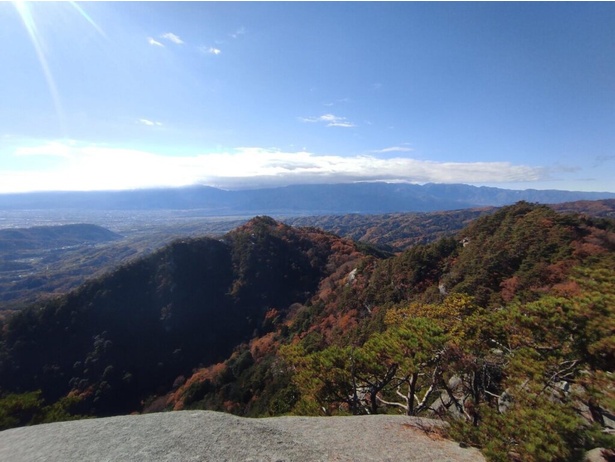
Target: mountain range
297, 199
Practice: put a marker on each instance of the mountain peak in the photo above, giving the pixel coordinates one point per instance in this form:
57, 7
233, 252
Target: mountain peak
261, 221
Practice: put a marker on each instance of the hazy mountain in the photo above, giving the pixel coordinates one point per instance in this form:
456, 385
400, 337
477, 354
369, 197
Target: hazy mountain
48, 237
298, 199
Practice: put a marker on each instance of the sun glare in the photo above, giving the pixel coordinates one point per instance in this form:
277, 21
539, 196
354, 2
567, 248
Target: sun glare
87, 18
24, 9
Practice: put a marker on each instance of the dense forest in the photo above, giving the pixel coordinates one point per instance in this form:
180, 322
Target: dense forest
505, 329
394, 231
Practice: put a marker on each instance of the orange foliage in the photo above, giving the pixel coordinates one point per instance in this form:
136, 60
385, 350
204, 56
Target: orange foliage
271, 314
509, 288
229, 406
176, 398
347, 320
82, 394
264, 345
586, 249
567, 289
557, 272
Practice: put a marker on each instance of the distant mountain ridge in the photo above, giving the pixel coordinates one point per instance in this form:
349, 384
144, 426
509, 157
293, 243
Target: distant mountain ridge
298, 199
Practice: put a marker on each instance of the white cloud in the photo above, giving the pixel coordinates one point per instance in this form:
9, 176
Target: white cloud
341, 124
171, 37
394, 149
210, 50
150, 123
238, 32
330, 120
154, 42
91, 167
51, 149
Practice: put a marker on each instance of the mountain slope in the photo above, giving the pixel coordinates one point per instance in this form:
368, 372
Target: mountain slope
398, 231
121, 337
599, 208
531, 292
395, 231
49, 237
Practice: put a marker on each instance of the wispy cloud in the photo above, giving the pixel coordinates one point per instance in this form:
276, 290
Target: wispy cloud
603, 159
153, 41
393, 149
338, 101
91, 167
150, 123
171, 37
238, 32
210, 50
330, 120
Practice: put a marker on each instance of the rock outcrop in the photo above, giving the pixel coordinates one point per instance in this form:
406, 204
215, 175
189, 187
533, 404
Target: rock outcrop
213, 436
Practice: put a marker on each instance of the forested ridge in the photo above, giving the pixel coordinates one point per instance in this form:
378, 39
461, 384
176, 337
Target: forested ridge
506, 329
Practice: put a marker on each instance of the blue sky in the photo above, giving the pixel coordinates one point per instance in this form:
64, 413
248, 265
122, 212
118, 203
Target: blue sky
120, 95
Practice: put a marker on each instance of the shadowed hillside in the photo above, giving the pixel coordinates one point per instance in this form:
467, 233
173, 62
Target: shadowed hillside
128, 334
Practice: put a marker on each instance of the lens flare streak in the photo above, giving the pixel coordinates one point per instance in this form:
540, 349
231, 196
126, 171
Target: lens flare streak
87, 17
24, 10
26, 17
